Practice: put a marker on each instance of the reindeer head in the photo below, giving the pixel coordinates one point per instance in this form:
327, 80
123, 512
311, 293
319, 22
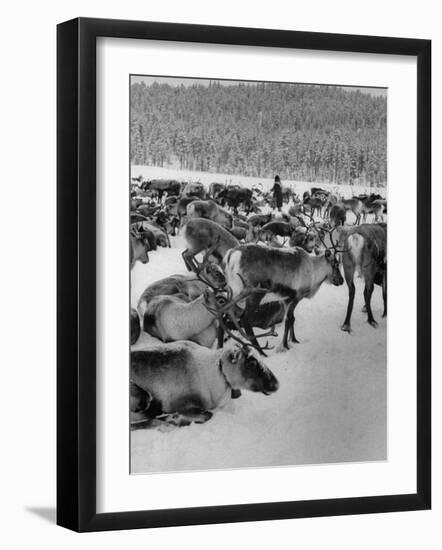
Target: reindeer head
243, 369
214, 299
334, 277
140, 245
213, 275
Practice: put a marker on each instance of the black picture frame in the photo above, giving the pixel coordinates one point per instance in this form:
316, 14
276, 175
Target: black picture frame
76, 274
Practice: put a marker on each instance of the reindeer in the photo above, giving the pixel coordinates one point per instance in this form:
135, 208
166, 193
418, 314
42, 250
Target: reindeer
160, 235
181, 209
373, 204
239, 232
211, 211
314, 204
305, 238
254, 223
194, 190
332, 200
135, 329
338, 215
183, 382
292, 274
201, 235
355, 205
171, 318
278, 228
215, 189
234, 196
139, 247
186, 285
379, 208
365, 251
178, 307
258, 220
295, 209
161, 186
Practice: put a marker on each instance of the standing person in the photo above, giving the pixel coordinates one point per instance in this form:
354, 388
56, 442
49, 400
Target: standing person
277, 193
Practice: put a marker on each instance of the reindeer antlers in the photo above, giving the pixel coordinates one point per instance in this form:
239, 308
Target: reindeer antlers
319, 231
202, 270
335, 247
228, 310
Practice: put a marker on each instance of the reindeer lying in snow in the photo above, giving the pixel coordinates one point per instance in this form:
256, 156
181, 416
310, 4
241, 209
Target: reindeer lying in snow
178, 307
183, 382
172, 318
139, 247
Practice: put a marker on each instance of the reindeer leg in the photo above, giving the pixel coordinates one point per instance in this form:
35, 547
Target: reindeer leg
252, 303
251, 335
289, 329
346, 327
368, 291
283, 346
220, 336
188, 409
185, 418
292, 326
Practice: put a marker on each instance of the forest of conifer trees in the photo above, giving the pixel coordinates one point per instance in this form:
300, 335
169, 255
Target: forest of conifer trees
301, 132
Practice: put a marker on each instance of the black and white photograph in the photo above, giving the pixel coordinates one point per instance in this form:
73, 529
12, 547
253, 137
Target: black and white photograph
258, 257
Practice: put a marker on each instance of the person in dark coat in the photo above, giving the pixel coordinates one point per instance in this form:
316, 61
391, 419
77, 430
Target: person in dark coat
277, 193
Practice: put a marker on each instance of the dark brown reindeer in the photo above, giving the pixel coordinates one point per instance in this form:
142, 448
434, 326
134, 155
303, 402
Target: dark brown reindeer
292, 274
277, 228
365, 251
337, 215
135, 328
312, 203
331, 201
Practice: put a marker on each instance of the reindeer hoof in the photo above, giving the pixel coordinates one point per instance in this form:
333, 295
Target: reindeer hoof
280, 348
346, 328
384, 315
373, 323
234, 394
364, 309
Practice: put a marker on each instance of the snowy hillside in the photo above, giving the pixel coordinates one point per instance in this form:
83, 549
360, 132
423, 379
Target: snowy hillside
331, 405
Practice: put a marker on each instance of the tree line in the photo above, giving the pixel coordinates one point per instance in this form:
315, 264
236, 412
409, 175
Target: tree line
301, 132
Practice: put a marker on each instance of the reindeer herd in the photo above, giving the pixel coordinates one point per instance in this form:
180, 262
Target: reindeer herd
249, 267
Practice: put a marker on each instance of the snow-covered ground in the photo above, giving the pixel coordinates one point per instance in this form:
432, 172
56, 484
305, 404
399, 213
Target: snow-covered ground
331, 405
152, 172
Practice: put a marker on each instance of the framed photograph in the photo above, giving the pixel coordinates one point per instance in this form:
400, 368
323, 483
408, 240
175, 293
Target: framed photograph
224, 350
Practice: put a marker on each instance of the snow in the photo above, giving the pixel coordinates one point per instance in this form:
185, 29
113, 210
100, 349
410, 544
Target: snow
331, 405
